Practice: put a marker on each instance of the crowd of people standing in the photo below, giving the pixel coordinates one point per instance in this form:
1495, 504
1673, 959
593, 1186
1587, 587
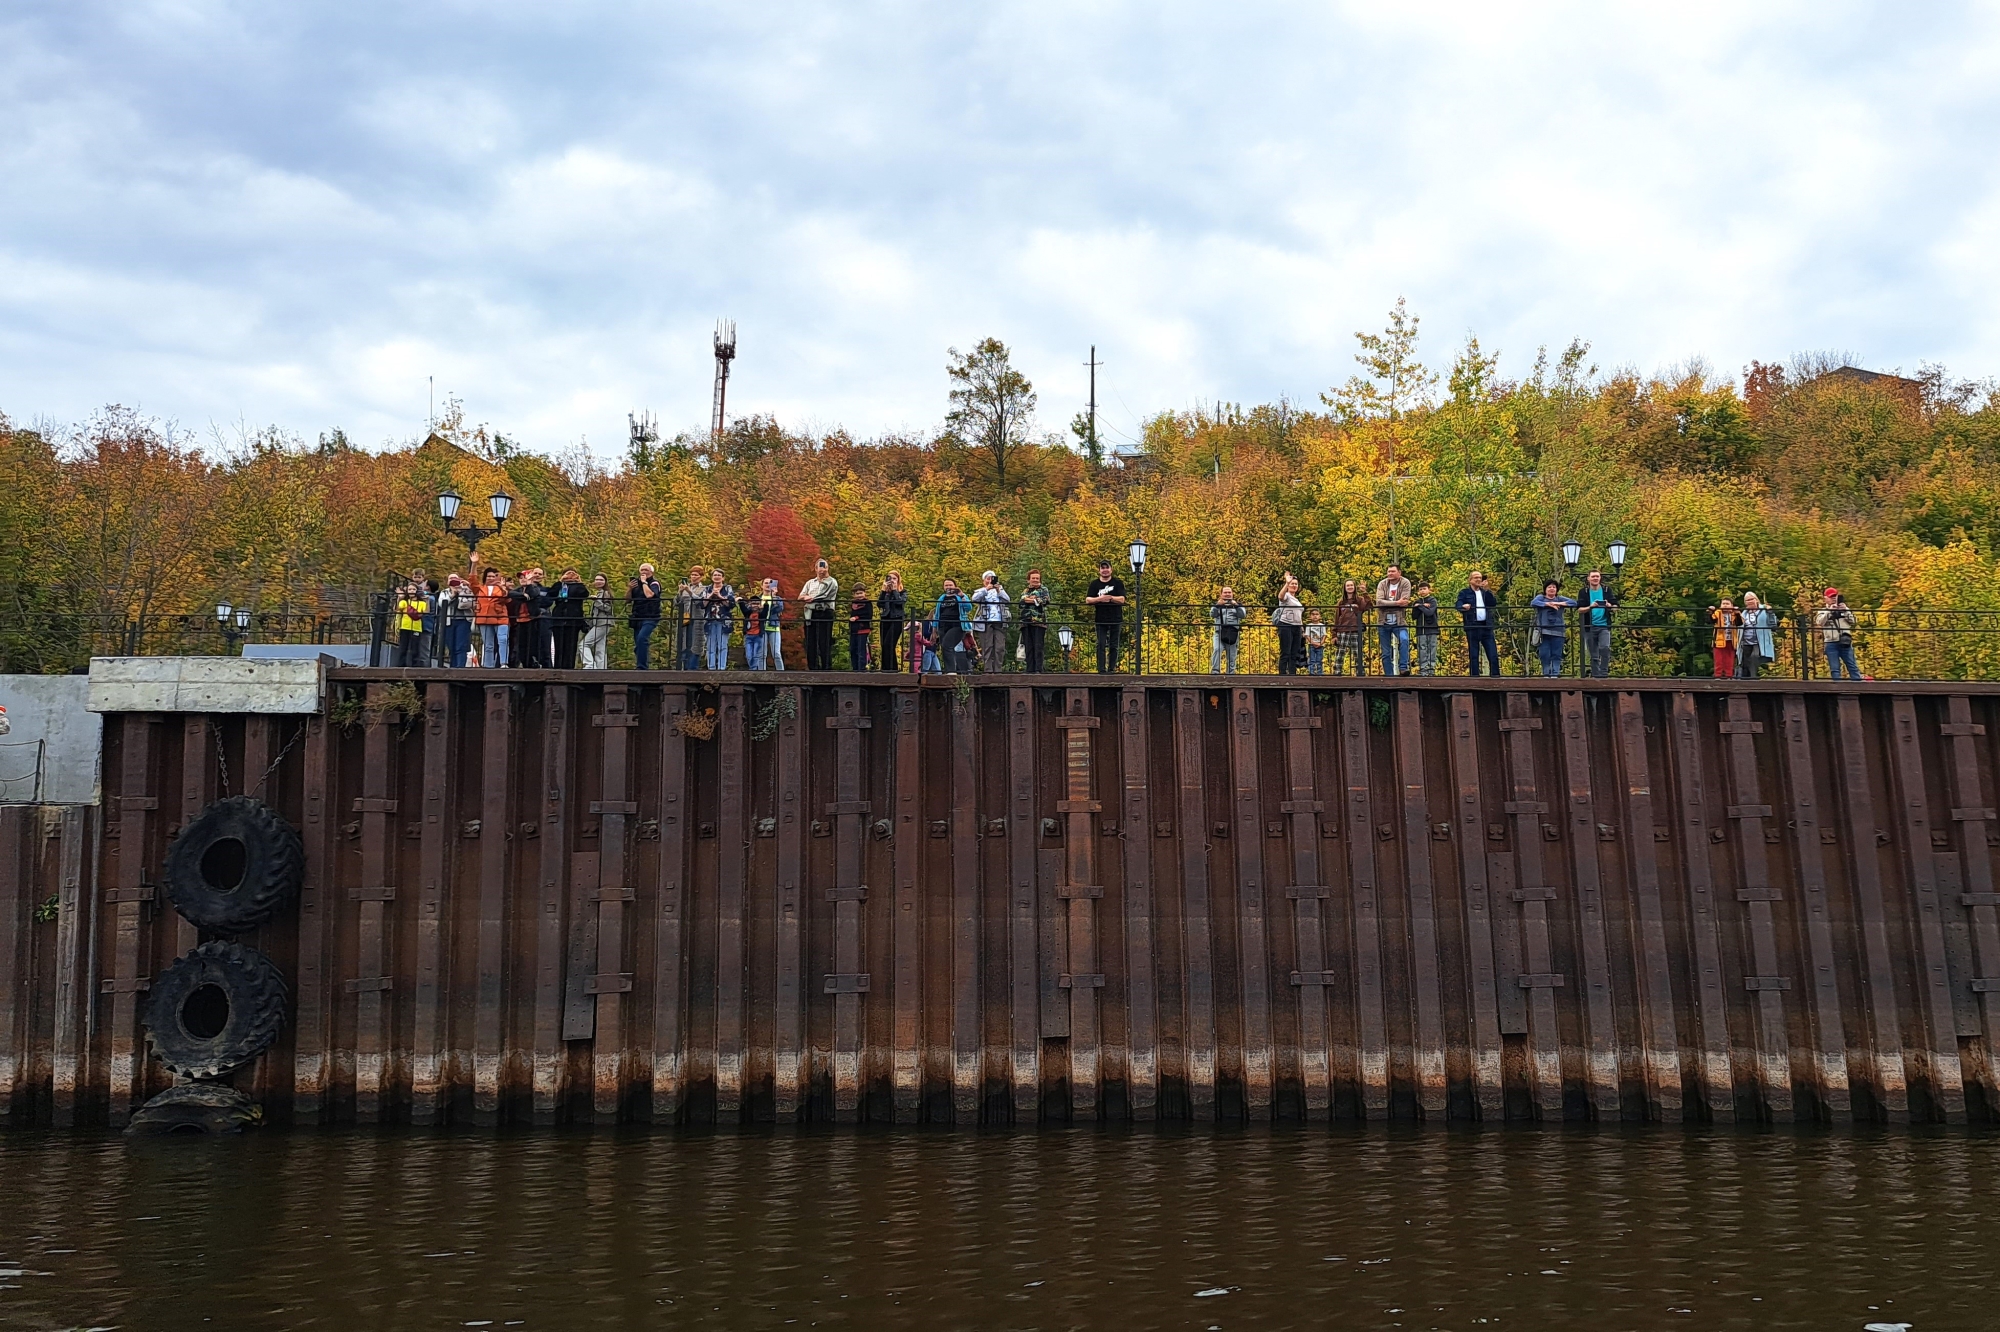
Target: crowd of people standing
527, 621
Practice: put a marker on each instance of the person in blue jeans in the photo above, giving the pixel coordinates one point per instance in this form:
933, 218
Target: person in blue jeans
1549, 608
1392, 605
1836, 626
1596, 622
642, 600
718, 605
760, 628
1480, 609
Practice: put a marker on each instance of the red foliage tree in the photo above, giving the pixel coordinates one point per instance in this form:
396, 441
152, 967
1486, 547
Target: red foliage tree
1761, 385
780, 547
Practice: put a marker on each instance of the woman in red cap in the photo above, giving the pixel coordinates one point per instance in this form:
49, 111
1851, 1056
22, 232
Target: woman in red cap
1835, 623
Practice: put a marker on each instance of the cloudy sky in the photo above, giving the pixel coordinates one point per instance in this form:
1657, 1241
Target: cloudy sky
296, 214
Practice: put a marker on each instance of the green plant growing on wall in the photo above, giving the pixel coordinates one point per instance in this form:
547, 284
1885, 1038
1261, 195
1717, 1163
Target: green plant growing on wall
774, 712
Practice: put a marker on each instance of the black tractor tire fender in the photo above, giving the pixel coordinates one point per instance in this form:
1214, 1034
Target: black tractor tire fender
195, 1109
215, 1009
234, 866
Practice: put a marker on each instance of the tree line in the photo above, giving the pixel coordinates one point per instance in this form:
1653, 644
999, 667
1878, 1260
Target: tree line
1792, 477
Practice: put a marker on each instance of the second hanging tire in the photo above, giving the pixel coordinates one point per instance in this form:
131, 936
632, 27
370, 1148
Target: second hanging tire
215, 1009
235, 865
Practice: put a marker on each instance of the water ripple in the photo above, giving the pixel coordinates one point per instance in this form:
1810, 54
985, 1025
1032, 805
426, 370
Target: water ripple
1143, 1228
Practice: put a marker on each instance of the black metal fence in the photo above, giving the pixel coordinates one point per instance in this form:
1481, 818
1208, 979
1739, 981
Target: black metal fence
1647, 640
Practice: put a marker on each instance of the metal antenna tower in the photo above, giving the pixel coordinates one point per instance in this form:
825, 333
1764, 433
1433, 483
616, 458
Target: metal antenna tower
645, 434
725, 352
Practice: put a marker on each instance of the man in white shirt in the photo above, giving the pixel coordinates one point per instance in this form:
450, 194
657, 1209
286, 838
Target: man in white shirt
1479, 608
818, 596
989, 622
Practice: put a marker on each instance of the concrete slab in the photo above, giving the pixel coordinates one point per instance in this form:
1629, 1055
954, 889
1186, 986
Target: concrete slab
50, 752
347, 654
205, 684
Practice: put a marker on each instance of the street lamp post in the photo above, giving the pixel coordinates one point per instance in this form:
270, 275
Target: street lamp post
1136, 552
1616, 550
234, 621
1572, 553
472, 533
1066, 636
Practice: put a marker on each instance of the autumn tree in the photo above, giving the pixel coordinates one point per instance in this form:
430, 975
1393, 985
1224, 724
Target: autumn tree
1685, 421
1833, 440
993, 404
1396, 382
780, 547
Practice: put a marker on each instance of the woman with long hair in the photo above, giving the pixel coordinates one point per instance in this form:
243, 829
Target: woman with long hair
1289, 617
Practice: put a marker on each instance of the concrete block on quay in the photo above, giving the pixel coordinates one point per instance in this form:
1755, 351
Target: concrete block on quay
50, 754
205, 684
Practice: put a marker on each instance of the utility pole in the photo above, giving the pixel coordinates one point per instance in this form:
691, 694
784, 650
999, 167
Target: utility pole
1093, 394
725, 352
1096, 451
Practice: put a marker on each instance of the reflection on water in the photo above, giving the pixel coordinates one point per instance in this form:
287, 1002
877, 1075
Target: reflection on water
1055, 1229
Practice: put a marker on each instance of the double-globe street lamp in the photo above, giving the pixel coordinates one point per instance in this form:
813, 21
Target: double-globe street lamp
1573, 555
472, 533
234, 622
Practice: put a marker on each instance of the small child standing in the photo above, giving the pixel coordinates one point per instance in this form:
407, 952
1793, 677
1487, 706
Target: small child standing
1315, 644
1424, 612
923, 648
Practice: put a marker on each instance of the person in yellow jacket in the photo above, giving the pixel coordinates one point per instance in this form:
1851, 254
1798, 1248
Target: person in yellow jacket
411, 607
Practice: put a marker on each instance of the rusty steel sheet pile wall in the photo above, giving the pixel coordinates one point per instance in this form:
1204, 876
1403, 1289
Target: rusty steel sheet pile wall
614, 897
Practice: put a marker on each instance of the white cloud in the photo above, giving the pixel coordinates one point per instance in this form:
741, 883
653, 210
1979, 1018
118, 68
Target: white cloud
223, 212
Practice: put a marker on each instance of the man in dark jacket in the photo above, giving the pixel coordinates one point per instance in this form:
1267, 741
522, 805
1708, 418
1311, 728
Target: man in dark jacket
894, 603
644, 599
1035, 598
1479, 608
1424, 619
541, 640
566, 602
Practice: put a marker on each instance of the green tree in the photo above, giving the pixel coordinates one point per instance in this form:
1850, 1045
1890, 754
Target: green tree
993, 404
1085, 430
1396, 382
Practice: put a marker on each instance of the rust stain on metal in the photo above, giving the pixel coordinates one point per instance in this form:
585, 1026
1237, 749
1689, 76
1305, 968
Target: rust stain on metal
1253, 950
1302, 811
1080, 870
1364, 922
508, 915
1600, 1030
850, 815
1913, 801
1023, 907
1659, 1047
1800, 784
1714, 1074
669, 912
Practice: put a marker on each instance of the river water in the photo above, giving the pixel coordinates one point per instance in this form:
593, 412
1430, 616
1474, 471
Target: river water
1082, 1228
